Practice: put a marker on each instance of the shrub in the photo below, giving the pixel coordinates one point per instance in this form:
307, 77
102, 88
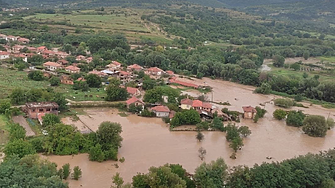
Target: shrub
295, 118
315, 126
279, 114
284, 103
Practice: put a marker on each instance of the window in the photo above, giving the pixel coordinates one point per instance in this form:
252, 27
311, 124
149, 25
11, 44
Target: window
41, 110
33, 110
48, 109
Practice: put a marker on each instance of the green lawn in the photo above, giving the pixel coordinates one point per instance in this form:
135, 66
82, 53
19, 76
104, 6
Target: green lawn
329, 59
4, 130
11, 79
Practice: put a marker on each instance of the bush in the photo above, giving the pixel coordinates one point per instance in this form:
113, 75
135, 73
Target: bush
279, 114
295, 118
284, 103
66, 170
260, 112
265, 88
76, 173
36, 75
147, 113
330, 123
54, 81
315, 126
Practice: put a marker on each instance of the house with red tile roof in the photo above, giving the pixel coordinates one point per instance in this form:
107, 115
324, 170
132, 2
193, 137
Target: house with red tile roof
12, 38
4, 55
134, 67
135, 101
99, 73
62, 62
23, 40
89, 59
32, 49
186, 104
249, 112
133, 91
161, 111
41, 49
186, 84
72, 69
155, 71
24, 57
80, 58
16, 48
170, 73
117, 64
52, 66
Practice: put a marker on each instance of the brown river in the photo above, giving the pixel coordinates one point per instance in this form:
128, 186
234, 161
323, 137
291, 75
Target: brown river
148, 142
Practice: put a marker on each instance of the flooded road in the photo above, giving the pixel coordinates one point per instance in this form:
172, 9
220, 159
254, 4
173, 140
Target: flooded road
148, 141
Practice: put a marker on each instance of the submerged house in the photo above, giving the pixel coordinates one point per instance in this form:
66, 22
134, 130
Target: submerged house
249, 112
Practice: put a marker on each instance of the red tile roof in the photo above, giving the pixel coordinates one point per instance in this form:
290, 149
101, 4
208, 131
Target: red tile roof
135, 67
133, 100
132, 90
116, 63
155, 69
81, 79
53, 64
186, 84
206, 105
249, 109
160, 109
97, 73
186, 101
124, 73
72, 68
4, 53
42, 48
197, 103
170, 72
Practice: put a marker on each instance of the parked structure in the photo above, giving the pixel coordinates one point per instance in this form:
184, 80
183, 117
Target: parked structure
249, 112
33, 109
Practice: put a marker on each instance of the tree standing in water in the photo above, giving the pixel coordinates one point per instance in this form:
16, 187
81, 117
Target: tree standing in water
202, 153
199, 136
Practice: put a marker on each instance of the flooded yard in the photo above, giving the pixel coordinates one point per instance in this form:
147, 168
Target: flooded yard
148, 142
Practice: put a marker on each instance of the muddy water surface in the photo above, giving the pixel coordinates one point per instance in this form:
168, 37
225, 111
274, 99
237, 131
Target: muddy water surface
148, 142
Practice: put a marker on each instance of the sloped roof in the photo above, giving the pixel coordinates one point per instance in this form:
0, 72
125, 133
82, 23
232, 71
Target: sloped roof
197, 103
132, 90
160, 109
53, 64
133, 100
72, 68
186, 101
249, 109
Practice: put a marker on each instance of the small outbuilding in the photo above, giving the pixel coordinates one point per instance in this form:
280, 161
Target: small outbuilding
249, 112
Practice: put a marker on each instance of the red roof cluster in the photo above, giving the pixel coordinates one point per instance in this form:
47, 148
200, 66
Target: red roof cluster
132, 90
135, 67
196, 103
52, 64
155, 69
72, 68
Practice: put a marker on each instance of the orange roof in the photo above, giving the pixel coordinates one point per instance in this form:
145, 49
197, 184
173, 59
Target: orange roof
53, 64
170, 72
42, 48
124, 73
186, 101
72, 68
155, 69
133, 100
19, 55
4, 53
132, 90
40, 116
116, 63
160, 109
197, 103
134, 66
23, 40
63, 61
97, 73
81, 79
249, 109
206, 105
186, 84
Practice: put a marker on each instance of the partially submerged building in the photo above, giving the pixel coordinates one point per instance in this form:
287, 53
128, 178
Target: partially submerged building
35, 109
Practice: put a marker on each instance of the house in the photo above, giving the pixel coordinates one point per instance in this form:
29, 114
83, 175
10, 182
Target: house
170, 73
134, 67
249, 112
133, 91
124, 76
198, 105
24, 57
161, 111
186, 104
101, 74
17, 48
41, 49
66, 79
2, 36
62, 62
80, 58
89, 59
33, 109
72, 69
135, 101
61, 55
48, 53
117, 64
32, 49
12, 38
52, 66
186, 84
155, 71
114, 66
4, 55
23, 40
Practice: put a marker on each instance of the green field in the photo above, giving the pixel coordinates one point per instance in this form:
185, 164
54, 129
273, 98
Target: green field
11, 79
329, 59
4, 130
126, 21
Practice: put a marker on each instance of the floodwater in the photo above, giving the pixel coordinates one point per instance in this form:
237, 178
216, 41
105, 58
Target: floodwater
148, 141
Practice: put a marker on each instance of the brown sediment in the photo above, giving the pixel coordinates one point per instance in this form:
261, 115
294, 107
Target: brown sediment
148, 142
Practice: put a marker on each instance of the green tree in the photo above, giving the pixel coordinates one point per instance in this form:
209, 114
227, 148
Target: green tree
330, 123
315, 126
20, 148
260, 112
199, 136
115, 93
36, 75
211, 175
96, 153
217, 124
117, 180
4, 106
17, 132
76, 173
278, 61
265, 88
295, 118
93, 80
66, 170
295, 66
50, 120
109, 135
80, 85
244, 131
279, 114
236, 144
306, 55
54, 81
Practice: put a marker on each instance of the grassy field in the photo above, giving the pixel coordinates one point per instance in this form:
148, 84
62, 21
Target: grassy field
112, 20
4, 130
11, 79
329, 59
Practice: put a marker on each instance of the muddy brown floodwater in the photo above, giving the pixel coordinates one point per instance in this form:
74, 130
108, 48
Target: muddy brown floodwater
148, 142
